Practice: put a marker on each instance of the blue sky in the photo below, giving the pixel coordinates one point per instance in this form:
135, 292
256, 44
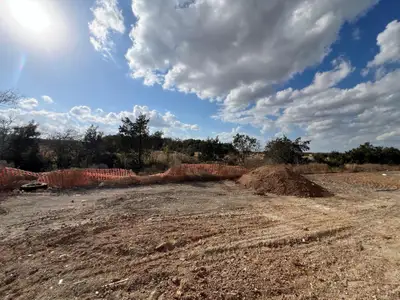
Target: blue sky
323, 70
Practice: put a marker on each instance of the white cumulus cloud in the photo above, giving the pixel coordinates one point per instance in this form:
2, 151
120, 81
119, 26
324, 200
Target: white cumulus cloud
332, 117
80, 111
47, 99
108, 19
258, 115
389, 44
79, 118
227, 136
28, 103
343, 118
233, 51
356, 34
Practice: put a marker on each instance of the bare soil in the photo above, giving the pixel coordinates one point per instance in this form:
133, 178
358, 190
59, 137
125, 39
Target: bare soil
281, 181
202, 241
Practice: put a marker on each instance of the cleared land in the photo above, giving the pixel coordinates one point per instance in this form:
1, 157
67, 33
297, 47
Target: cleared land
204, 241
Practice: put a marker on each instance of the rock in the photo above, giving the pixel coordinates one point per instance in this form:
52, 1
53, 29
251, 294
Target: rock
179, 293
200, 272
3, 211
165, 246
101, 184
156, 294
33, 271
175, 280
360, 246
10, 279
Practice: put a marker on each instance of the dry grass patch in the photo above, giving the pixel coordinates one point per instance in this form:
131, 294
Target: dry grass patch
370, 168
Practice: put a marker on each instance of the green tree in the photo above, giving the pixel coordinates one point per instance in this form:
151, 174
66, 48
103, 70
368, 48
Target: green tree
391, 156
136, 135
66, 148
5, 136
23, 148
209, 150
245, 145
336, 159
156, 140
365, 153
93, 146
283, 150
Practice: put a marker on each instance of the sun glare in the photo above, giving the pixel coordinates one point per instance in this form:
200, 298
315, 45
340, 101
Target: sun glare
30, 14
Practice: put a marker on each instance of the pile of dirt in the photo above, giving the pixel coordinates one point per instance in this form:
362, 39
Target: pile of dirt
281, 181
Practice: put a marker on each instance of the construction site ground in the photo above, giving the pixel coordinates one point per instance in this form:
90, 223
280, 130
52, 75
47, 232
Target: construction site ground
203, 241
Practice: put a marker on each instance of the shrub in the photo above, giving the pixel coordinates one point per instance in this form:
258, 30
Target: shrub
285, 151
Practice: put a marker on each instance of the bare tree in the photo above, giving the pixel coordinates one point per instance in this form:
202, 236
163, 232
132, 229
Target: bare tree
9, 97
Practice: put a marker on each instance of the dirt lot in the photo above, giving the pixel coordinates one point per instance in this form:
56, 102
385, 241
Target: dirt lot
203, 241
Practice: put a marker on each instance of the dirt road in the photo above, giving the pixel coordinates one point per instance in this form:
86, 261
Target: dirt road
201, 241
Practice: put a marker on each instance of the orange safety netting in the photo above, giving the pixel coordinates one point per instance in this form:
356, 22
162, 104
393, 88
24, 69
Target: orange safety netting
86, 177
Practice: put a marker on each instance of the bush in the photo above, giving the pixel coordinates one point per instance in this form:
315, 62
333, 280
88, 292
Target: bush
285, 151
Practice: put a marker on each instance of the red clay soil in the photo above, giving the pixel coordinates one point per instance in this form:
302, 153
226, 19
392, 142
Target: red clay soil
281, 181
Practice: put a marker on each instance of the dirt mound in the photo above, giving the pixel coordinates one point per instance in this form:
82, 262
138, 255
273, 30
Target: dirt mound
281, 181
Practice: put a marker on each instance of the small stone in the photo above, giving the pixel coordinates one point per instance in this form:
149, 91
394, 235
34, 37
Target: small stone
155, 294
360, 246
161, 297
10, 279
33, 271
175, 280
165, 246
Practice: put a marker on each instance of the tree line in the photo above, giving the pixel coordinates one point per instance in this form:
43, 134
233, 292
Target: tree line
23, 146
130, 148
363, 154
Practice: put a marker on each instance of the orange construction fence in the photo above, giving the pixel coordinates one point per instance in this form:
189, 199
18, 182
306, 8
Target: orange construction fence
86, 177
